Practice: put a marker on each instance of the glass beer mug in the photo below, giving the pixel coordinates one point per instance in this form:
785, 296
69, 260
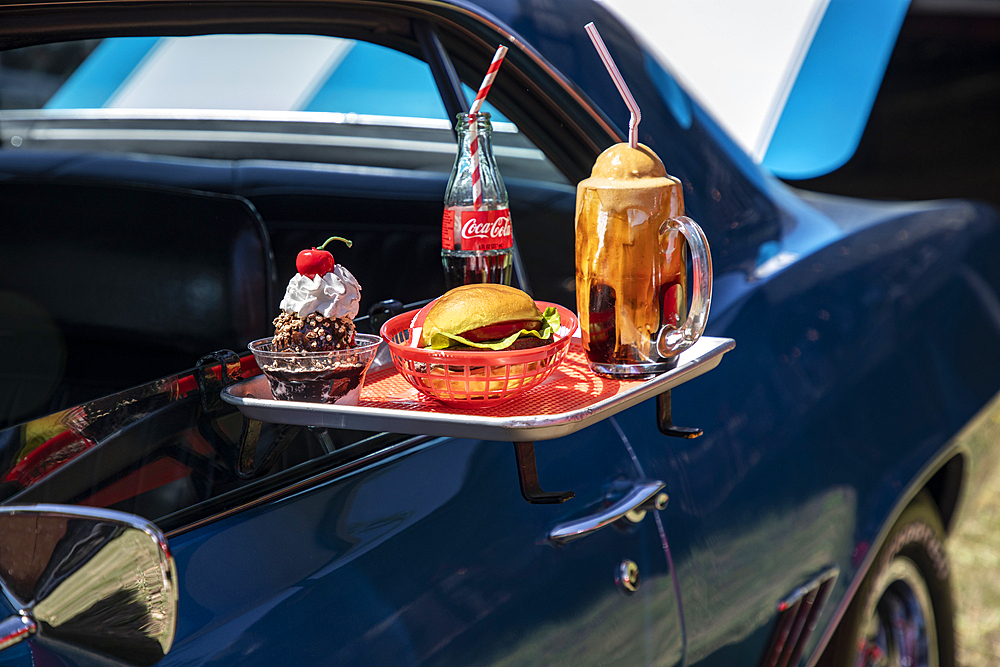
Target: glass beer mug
632, 282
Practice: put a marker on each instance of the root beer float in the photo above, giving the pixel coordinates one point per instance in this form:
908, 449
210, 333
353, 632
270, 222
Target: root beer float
632, 248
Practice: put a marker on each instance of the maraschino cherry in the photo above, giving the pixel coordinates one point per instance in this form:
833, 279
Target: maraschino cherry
317, 261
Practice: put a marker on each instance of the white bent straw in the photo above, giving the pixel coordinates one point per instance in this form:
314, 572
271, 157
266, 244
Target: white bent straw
633, 123
484, 88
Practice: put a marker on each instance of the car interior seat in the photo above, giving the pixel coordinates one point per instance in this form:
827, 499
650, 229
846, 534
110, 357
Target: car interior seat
105, 286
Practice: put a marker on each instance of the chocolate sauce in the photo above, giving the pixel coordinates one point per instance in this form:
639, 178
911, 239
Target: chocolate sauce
314, 386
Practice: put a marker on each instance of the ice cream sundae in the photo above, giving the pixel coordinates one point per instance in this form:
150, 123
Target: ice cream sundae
320, 304
315, 354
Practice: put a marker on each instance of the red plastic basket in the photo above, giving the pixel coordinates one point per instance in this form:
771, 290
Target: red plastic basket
466, 379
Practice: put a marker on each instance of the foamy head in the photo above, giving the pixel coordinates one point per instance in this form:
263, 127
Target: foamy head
622, 162
626, 177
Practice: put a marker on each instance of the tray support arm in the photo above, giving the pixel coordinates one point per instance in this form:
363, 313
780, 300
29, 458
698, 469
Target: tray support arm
527, 476
248, 464
665, 419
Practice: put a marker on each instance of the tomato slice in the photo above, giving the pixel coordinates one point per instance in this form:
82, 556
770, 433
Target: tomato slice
500, 330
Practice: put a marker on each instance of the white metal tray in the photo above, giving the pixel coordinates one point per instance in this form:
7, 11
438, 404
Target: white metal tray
425, 416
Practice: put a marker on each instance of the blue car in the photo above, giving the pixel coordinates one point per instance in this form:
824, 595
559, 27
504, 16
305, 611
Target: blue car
163, 162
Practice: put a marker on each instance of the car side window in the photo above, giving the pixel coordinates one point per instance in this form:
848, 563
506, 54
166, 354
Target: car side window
311, 98
233, 159
293, 73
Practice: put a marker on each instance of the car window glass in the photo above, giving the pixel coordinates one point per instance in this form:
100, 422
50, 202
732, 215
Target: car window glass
89, 122
310, 98
227, 72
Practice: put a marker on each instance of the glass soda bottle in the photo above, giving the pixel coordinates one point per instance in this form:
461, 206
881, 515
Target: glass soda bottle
476, 242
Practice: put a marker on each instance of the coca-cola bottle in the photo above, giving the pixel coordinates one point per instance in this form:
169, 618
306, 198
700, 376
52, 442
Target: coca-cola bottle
476, 237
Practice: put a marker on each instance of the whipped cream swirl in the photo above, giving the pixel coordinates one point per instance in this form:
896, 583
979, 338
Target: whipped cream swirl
334, 294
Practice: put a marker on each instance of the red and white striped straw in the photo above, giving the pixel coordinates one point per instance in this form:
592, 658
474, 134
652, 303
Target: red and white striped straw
484, 88
633, 123
491, 74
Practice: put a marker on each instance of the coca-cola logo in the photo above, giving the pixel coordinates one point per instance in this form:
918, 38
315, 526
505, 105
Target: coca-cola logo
497, 228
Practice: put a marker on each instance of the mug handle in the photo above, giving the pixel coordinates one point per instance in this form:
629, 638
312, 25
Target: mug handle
670, 341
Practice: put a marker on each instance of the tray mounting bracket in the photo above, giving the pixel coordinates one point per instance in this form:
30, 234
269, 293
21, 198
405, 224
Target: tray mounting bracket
665, 420
527, 476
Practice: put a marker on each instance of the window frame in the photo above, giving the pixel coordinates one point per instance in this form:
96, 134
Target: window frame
552, 112
455, 40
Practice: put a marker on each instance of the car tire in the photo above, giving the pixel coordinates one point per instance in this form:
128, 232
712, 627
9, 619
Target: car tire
902, 614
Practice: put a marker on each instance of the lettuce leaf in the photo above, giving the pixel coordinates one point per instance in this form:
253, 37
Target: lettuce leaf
550, 324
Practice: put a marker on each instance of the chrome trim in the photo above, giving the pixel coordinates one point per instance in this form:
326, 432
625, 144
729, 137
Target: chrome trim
350, 468
658, 502
829, 574
638, 496
797, 616
103, 570
16, 629
118, 134
627, 577
240, 115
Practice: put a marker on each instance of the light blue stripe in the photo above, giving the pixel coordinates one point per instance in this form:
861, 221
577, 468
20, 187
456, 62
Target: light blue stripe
373, 79
100, 75
829, 104
377, 80
495, 115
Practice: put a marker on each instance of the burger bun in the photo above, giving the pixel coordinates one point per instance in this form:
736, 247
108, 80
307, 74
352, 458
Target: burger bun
473, 306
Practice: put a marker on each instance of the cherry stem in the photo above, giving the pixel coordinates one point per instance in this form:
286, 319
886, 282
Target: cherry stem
335, 238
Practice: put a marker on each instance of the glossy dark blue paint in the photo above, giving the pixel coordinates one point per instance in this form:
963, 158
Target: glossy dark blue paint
864, 344
431, 558
854, 368
841, 389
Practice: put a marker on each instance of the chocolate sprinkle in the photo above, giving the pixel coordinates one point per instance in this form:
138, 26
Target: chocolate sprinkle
314, 333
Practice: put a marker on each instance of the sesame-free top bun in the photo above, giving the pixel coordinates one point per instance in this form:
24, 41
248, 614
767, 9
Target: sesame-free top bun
472, 306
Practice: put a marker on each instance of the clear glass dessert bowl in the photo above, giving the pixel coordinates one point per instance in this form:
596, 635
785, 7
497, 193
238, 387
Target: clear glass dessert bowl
335, 376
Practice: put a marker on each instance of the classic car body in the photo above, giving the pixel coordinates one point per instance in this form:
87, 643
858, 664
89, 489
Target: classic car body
861, 386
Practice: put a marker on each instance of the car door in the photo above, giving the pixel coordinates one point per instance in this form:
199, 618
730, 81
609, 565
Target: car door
430, 556
386, 549
362, 548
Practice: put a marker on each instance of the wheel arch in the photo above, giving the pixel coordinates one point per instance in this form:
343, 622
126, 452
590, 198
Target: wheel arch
942, 481
829, 651
945, 488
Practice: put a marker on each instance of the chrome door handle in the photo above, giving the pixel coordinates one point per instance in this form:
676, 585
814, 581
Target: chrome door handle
641, 497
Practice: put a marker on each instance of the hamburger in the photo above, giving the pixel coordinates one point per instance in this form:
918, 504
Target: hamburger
487, 317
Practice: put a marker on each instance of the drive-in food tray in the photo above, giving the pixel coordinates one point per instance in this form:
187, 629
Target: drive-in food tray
570, 399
